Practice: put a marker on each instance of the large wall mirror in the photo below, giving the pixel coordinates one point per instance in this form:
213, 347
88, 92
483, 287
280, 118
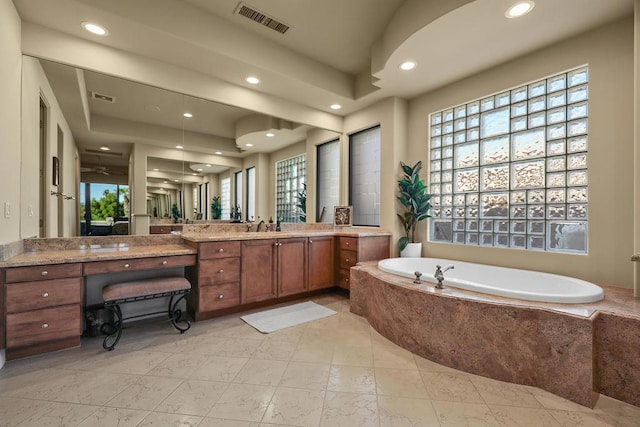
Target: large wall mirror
125, 149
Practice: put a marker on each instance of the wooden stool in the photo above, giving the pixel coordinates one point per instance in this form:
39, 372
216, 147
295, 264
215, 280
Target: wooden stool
139, 290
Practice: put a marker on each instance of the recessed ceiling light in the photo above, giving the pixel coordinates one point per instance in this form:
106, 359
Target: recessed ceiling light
179, 147
335, 106
199, 170
248, 145
270, 134
208, 165
252, 80
195, 174
407, 65
218, 152
176, 180
105, 148
155, 170
166, 182
96, 29
519, 9
188, 115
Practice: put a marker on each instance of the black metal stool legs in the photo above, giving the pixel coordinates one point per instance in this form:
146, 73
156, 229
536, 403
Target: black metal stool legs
175, 315
113, 331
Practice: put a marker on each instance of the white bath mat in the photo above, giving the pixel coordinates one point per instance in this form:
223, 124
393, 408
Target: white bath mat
285, 317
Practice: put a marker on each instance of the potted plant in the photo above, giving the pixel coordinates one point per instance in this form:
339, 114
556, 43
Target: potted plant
415, 201
216, 207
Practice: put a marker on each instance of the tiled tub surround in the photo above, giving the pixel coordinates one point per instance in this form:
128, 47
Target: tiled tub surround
575, 351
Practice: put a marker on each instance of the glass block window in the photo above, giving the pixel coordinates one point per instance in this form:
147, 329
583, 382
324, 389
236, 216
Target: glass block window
251, 195
225, 197
510, 170
290, 177
328, 180
364, 177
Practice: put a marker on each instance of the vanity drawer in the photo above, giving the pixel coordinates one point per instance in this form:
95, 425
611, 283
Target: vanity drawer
118, 266
219, 296
344, 279
42, 294
211, 250
42, 272
39, 326
349, 243
348, 259
218, 271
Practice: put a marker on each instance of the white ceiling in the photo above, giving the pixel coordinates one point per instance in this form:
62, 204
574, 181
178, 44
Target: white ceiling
344, 51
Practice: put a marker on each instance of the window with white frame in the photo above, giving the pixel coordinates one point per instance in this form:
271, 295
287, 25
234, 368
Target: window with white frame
251, 195
328, 180
225, 197
364, 176
238, 193
290, 179
510, 170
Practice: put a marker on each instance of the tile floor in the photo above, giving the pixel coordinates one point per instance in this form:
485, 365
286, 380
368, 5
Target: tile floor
333, 372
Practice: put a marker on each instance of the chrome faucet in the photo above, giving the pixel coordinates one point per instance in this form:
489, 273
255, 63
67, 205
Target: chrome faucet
439, 275
249, 225
259, 226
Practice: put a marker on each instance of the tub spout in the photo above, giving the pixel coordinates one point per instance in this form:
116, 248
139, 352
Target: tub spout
417, 280
439, 275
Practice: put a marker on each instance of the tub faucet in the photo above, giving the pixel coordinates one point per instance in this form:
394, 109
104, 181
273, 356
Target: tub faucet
439, 276
417, 279
259, 226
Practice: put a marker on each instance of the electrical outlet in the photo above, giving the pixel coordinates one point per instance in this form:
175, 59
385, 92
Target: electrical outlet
30, 210
7, 210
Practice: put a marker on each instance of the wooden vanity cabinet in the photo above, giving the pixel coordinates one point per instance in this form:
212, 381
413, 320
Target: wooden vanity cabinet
352, 250
320, 262
216, 277
292, 266
43, 308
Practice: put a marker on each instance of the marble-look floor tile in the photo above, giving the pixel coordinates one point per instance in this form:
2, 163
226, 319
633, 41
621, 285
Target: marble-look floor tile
353, 379
353, 355
331, 322
349, 409
219, 369
145, 393
392, 356
159, 419
193, 397
429, 366
452, 387
406, 412
133, 362
518, 416
313, 352
261, 372
314, 376
295, 407
219, 422
585, 419
248, 331
109, 417
276, 349
292, 334
36, 384
245, 402
59, 414
179, 365
208, 345
551, 401
610, 406
238, 347
464, 414
15, 410
496, 392
400, 383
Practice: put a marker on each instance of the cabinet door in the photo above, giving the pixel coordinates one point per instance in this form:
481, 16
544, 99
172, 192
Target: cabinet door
292, 266
320, 262
258, 278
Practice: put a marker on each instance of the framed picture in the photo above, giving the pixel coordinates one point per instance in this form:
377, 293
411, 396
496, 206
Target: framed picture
55, 178
342, 216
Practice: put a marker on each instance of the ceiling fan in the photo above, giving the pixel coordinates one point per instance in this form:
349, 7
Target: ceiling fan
97, 169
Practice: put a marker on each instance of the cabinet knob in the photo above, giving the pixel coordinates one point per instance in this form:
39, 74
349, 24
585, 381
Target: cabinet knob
220, 296
44, 273
126, 266
346, 280
346, 243
275, 244
164, 262
310, 241
45, 326
221, 250
221, 271
346, 259
45, 294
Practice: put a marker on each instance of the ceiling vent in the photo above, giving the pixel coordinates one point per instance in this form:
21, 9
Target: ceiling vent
261, 18
102, 153
103, 97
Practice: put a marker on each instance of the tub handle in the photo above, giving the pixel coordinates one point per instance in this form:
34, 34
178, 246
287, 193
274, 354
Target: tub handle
635, 258
417, 280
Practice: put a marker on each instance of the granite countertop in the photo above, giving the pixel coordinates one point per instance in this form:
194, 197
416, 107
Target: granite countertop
214, 237
96, 253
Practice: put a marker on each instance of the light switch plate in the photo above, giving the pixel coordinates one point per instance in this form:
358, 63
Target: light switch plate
7, 210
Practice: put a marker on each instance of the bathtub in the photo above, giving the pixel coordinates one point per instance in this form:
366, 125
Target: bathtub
501, 281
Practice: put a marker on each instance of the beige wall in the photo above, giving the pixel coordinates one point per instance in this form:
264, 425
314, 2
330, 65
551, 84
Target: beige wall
34, 87
10, 69
609, 53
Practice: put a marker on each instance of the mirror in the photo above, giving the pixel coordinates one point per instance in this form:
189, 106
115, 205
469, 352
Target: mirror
124, 137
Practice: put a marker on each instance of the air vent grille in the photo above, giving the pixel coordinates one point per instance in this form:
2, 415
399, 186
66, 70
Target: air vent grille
261, 18
103, 97
103, 153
